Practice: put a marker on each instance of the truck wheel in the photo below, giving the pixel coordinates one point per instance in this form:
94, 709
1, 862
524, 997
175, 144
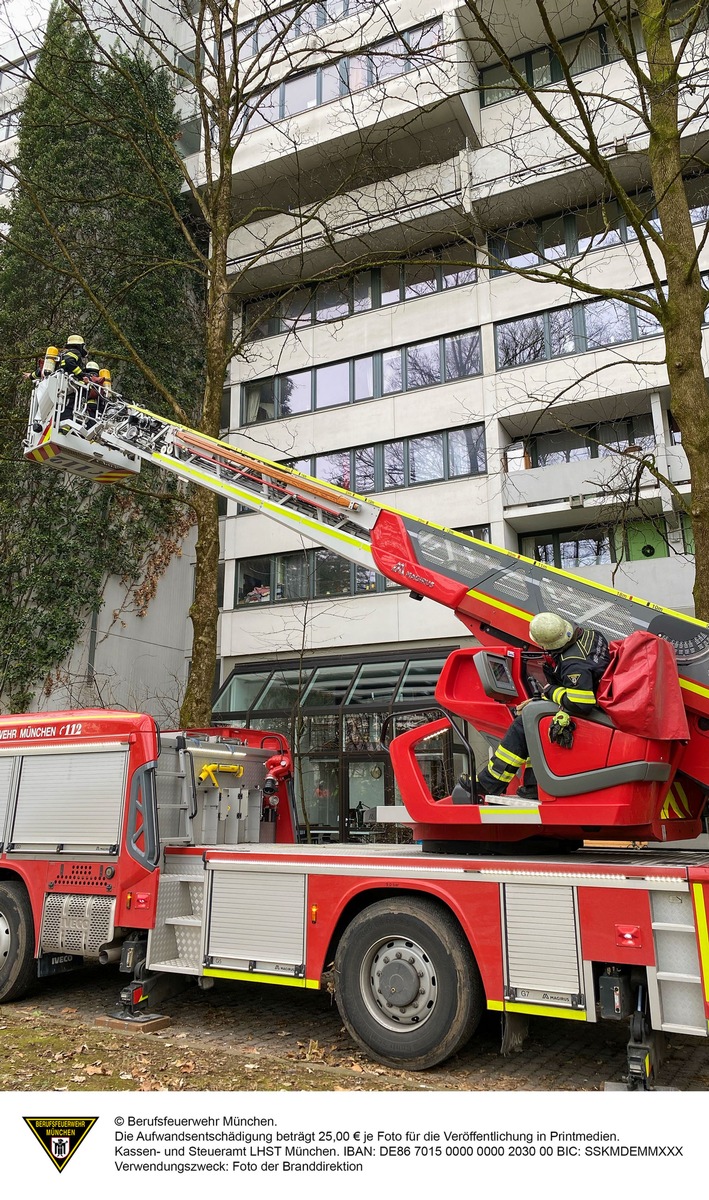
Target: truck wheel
407, 985
17, 966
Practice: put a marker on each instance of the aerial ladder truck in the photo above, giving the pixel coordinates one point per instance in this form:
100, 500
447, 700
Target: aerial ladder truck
500, 907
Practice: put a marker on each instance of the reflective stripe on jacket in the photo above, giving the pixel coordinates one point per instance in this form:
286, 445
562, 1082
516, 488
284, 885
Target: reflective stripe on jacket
576, 671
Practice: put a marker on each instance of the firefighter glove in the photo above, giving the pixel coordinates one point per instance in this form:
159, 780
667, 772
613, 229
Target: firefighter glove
561, 730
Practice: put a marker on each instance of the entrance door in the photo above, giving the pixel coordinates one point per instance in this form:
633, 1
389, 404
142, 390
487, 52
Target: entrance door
367, 781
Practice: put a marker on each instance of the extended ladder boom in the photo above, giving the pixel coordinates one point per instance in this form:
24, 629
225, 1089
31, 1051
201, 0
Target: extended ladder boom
493, 591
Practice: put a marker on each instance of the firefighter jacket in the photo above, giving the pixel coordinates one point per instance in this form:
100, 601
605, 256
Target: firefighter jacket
71, 362
574, 672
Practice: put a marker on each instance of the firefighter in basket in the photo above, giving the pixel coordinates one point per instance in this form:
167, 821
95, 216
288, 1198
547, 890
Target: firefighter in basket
95, 391
72, 361
575, 661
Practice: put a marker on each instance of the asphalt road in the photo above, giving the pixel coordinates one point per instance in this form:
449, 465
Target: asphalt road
294, 1027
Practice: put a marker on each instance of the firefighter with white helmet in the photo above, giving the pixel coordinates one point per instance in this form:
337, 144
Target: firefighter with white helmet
550, 631
576, 659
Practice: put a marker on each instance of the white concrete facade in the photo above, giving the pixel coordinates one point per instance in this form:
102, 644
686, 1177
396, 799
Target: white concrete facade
127, 660
508, 168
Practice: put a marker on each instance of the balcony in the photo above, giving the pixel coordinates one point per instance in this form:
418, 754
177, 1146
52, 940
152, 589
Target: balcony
666, 581
395, 214
572, 494
678, 468
523, 168
333, 125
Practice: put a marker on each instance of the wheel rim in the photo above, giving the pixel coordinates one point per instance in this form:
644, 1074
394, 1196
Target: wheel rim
398, 984
5, 939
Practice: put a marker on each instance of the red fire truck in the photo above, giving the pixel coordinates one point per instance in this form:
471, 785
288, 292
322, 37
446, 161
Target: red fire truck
181, 865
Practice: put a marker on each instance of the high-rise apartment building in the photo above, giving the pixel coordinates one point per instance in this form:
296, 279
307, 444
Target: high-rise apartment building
397, 179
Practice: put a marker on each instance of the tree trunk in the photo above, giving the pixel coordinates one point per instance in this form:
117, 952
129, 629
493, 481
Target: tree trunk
197, 705
686, 297
196, 708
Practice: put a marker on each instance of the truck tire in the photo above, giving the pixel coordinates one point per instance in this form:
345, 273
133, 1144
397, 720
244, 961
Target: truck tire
413, 950
17, 965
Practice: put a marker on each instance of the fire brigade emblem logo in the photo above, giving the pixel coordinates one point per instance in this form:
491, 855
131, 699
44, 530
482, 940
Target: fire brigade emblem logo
60, 1137
574, 678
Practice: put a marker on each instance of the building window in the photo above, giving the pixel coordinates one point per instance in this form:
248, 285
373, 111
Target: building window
405, 368
574, 549
189, 138
9, 125
597, 226
518, 247
481, 533
333, 574
586, 52
466, 451
13, 75
579, 445
291, 22
423, 364
294, 393
332, 385
452, 266
301, 575
420, 280
566, 235
334, 468
408, 51
426, 461
590, 326
521, 341
607, 323
448, 454
332, 300
259, 401
253, 581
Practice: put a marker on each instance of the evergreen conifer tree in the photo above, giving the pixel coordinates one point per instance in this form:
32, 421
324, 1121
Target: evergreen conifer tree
90, 246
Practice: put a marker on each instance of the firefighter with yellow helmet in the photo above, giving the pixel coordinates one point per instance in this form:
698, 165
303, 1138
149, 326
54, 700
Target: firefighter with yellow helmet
72, 359
575, 661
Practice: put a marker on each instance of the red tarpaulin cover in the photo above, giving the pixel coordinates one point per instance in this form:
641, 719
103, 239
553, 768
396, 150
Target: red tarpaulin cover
640, 690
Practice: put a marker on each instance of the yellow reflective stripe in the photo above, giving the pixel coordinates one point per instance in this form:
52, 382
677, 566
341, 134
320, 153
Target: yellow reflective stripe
505, 777
255, 977
580, 697
537, 1010
702, 935
690, 685
495, 603
676, 804
557, 694
249, 497
507, 756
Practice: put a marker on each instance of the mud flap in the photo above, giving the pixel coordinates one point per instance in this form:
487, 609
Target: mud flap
515, 1028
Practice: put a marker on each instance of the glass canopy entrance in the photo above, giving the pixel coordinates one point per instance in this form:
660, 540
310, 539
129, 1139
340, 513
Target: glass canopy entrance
332, 711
